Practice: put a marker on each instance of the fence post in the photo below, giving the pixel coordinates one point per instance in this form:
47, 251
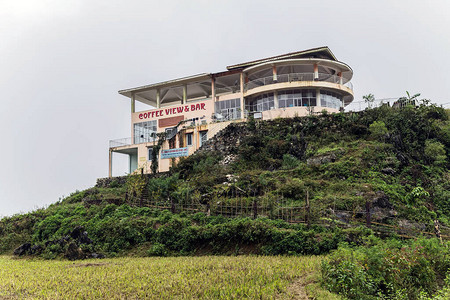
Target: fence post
368, 218
255, 209
308, 211
172, 206
437, 230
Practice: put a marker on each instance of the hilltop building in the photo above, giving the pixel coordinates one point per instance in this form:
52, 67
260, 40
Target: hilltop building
193, 109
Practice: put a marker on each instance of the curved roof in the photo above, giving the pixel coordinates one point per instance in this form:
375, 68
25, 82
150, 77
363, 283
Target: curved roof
320, 52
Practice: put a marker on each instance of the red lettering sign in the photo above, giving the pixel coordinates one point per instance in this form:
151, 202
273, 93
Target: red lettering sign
172, 111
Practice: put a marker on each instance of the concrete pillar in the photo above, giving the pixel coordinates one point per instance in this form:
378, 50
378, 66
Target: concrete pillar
241, 79
158, 98
133, 104
340, 77
316, 71
318, 104
110, 164
275, 99
274, 72
184, 94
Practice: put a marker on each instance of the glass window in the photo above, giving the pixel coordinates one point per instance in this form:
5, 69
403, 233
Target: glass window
296, 98
145, 132
261, 103
330, 99
203, 137
189, 139
150, 153
228, 109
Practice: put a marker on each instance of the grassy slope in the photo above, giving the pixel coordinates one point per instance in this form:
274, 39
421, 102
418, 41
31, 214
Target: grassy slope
271, 160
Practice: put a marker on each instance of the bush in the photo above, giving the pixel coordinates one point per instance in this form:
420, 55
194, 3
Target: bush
435, 152
387, 270
378, 130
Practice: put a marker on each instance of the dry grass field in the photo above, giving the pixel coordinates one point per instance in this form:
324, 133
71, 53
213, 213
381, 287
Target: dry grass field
207, 277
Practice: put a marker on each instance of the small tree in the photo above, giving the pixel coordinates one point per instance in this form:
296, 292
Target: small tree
369, 99
378, 130
435, 152
155, 153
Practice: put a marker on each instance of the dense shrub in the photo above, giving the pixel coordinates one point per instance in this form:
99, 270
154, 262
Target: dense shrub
388, 269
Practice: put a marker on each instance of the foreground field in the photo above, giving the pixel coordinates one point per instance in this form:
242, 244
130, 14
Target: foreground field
209, 277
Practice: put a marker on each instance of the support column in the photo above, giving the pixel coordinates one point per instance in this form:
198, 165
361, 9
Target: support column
241, 82
184, 94
274, 72
213, 89
318, 103
213, 96
158, 98
340, 77
316, 71
133, 104
275, 99
110, 164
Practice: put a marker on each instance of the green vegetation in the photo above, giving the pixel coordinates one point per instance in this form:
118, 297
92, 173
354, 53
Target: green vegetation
388, 269
117, 230
240, 277
393, 160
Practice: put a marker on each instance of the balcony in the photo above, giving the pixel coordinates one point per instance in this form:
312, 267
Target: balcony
120, 142
293, 77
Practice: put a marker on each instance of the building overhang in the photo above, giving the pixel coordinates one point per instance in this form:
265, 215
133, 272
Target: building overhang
197, 86
320, 52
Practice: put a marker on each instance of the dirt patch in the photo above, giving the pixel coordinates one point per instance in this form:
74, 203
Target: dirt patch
88, 265
297, 289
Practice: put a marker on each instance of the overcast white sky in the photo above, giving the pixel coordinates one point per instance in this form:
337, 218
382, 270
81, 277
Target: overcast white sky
62, 63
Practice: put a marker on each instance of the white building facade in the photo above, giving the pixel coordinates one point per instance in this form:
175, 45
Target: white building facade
184, 113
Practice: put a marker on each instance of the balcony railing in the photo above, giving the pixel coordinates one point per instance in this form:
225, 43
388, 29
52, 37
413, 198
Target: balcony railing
129, 141
292, 77
120, 142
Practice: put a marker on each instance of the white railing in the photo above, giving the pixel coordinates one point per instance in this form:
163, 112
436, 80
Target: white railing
120, 142
128, 141
292, 77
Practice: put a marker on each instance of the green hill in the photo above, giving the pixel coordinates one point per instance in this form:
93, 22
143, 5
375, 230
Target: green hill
321, 173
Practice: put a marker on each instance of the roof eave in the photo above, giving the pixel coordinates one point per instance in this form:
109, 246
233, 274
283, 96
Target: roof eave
169, 83
283, 56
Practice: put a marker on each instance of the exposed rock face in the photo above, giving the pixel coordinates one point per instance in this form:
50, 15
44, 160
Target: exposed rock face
388, 171
74, 252
411, 225
381, 208
226, 140
228, 159
80, 235
23, 249
381, 200
322, 159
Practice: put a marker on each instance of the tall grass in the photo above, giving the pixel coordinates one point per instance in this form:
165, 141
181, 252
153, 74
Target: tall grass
208, 277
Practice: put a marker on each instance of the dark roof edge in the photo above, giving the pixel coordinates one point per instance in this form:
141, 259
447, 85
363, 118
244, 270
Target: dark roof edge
254, 62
